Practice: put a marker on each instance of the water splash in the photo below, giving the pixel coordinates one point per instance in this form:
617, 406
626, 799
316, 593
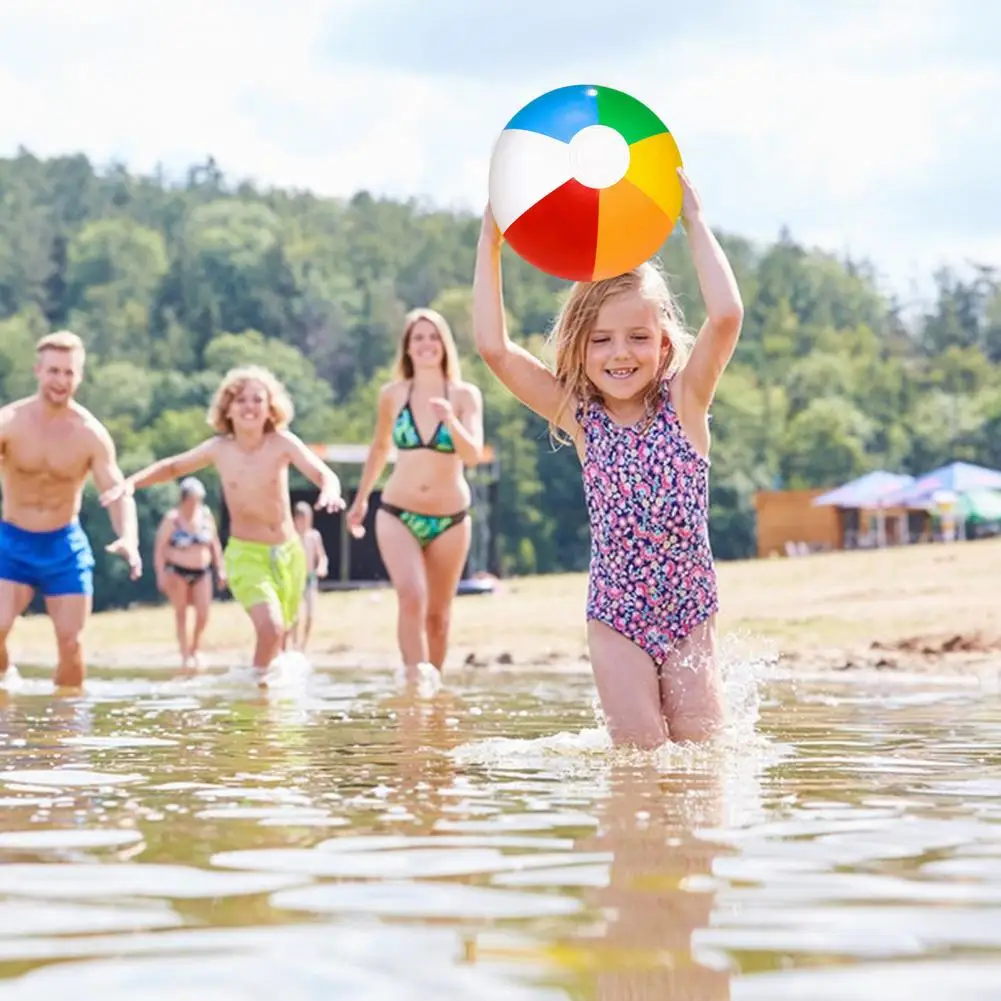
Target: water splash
742, 670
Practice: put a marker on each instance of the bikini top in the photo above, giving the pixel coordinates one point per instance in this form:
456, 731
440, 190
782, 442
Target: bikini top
183, 538
406, 437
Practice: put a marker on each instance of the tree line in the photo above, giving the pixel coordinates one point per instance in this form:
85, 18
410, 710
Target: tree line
172, 282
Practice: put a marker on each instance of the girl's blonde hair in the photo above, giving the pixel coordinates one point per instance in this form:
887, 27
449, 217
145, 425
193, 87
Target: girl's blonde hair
576, 319
404, 366
280, 408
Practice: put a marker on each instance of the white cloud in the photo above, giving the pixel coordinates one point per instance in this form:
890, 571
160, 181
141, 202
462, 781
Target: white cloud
823, 121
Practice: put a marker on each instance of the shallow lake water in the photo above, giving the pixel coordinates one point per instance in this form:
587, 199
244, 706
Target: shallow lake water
171, 838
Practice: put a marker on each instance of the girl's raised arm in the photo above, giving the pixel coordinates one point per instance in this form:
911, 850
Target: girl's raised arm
518, 369
717, 339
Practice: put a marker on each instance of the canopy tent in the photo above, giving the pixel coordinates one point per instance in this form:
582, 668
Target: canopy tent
866, 491
957, 477
980, 505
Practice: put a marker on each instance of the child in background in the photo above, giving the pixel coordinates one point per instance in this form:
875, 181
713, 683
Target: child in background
632, 391
317, 566
252, 450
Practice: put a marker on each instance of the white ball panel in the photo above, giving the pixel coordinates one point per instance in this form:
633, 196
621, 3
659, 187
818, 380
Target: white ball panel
524, 168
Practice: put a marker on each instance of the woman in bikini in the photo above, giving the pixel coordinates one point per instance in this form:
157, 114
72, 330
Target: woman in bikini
435, 422
186, 549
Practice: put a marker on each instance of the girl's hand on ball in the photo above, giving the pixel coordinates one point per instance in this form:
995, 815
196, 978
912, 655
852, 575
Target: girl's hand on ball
490, 232
691, 204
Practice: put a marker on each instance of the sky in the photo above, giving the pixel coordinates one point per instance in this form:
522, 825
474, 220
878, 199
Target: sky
864, 126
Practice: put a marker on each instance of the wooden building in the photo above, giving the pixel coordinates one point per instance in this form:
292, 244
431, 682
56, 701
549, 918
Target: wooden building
788, 523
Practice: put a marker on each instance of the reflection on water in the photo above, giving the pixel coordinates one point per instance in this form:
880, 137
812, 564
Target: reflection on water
162, 837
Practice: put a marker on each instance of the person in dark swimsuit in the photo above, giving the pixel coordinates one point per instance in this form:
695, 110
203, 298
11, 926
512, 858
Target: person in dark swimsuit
422, 526
186, 549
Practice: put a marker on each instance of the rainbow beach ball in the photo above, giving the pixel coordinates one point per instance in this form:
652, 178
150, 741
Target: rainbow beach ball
584, 182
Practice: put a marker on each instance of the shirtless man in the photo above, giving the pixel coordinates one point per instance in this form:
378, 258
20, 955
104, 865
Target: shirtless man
48, 446
265, 559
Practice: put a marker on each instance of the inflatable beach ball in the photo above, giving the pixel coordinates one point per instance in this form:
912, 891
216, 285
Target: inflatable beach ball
584, 183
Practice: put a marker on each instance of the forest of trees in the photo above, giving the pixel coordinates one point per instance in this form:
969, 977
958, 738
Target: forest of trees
170, 284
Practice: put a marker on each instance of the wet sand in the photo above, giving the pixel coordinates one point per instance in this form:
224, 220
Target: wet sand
932, 609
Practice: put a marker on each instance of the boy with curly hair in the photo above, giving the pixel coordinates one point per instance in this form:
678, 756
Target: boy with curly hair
252, 450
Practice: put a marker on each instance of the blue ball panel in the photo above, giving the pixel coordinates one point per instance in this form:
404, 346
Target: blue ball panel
560, 113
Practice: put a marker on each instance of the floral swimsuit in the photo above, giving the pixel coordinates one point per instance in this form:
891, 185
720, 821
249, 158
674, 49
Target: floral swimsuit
652, 577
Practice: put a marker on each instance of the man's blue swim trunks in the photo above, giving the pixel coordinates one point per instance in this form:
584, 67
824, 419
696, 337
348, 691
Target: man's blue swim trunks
54, 563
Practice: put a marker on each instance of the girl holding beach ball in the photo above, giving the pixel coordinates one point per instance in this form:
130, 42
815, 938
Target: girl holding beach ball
631, 390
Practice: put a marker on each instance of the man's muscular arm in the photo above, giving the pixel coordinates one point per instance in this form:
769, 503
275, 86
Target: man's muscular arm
6, 416
107, 474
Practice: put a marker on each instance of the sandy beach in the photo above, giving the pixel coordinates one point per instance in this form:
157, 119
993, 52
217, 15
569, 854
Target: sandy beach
930, 609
